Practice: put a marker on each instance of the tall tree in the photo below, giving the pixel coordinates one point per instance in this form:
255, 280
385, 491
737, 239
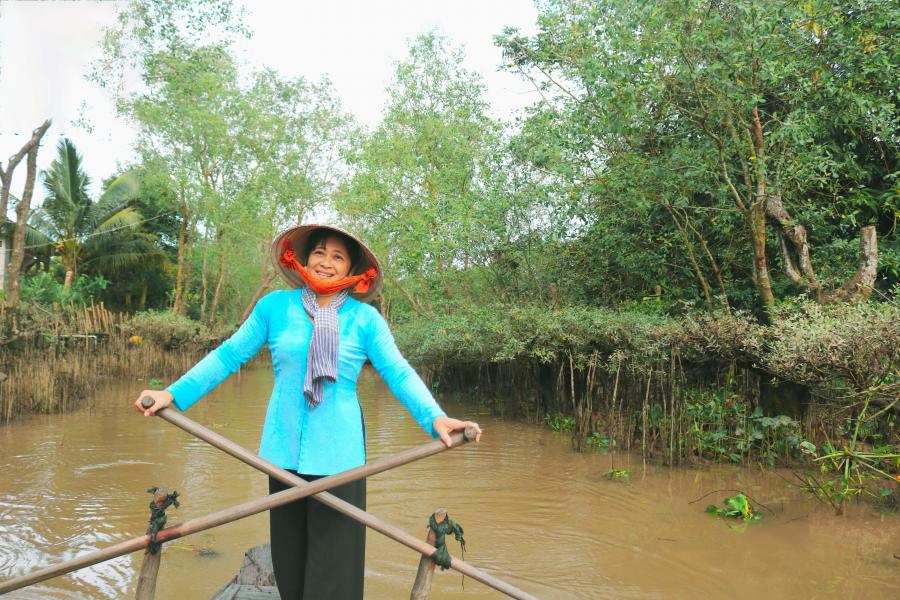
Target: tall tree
6, 175
417, 184
23, 210
243, 152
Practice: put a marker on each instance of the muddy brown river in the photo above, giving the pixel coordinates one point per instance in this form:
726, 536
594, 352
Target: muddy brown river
535, 514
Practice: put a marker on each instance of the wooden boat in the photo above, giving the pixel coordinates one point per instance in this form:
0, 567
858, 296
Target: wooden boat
255, 579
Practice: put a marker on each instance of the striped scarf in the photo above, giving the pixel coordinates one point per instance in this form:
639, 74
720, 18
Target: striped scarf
322, 357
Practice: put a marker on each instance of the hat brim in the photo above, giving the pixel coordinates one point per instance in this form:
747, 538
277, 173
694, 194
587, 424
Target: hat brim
297, 237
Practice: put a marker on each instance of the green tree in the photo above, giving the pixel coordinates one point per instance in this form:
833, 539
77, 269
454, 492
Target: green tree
101, 234
783, 113
242, 153
418, 183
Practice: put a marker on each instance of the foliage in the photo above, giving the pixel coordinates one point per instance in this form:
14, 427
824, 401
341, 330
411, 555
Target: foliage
172, 331
853, 350
423, 182
44, 289
724, 427
101, 236
616, 474
849, 472
531, 347
236, 155
682, 143
504, 333
735, 507
560, 423
600, 442
631, 182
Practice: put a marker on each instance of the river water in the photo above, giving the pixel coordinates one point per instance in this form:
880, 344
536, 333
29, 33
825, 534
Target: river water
535, 514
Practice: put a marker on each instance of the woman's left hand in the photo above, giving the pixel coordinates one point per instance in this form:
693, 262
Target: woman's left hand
444, 426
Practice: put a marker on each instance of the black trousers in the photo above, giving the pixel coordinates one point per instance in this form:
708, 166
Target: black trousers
318, 553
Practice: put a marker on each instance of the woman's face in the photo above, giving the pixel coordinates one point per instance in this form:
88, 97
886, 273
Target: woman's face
330, 259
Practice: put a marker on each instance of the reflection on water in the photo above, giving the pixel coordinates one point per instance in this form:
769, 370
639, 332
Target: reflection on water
535, 514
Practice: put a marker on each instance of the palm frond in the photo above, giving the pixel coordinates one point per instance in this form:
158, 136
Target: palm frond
36, 240
124, 219
66, 184
42, 222
121, 191
112, 262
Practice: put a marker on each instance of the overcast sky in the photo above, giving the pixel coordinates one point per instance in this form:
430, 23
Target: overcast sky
46, 48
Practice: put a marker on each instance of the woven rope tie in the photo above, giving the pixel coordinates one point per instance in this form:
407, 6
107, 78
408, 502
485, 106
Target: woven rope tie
441, 556
158, 515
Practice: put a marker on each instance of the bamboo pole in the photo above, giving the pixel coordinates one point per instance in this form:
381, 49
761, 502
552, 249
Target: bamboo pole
146, 584
359, 515
233, 513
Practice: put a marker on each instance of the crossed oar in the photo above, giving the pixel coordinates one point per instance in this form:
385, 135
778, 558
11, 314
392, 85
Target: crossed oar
301, 489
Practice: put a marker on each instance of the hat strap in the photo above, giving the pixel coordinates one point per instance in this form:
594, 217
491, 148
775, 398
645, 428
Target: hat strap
325, 287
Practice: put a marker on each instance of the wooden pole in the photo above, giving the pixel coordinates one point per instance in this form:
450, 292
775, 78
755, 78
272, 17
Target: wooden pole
422, 586
396, 534
146, 584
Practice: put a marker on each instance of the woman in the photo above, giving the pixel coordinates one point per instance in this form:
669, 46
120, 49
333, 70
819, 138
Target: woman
319, 335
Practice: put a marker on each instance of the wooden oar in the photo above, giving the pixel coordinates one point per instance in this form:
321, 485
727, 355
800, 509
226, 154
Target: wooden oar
355, 513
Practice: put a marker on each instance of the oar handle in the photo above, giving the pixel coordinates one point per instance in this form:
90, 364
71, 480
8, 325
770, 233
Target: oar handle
147, 401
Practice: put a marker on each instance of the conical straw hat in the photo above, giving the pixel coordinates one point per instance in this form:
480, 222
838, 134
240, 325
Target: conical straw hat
296, 238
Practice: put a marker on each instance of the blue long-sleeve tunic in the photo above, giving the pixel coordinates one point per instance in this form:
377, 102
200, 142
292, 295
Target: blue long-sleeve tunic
329, 438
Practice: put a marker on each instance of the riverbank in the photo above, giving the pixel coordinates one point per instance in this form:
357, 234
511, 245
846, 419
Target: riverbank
816, 386
53, 361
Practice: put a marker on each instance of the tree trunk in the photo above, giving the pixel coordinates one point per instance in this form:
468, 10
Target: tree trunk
714, 265
214, 305
203, 290
188, 263
757, 211
266, 277
692, 256
178, 301
70, 277
23, 209
263, 286
794, 246
859, 286
414, 302
757, 221
7, 175
798, 262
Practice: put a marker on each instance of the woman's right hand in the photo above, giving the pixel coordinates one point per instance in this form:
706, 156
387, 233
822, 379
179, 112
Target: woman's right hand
161, 399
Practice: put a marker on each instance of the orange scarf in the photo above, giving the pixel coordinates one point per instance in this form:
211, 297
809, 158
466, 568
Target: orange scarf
326, 287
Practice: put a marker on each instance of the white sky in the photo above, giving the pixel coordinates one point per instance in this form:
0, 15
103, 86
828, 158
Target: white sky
46, 48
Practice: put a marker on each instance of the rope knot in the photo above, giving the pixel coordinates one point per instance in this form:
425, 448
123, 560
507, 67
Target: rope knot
162, 499
441, 556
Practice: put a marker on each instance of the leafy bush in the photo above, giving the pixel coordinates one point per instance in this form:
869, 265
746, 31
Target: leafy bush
841, 349
852, 349
44, 289
171, 331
